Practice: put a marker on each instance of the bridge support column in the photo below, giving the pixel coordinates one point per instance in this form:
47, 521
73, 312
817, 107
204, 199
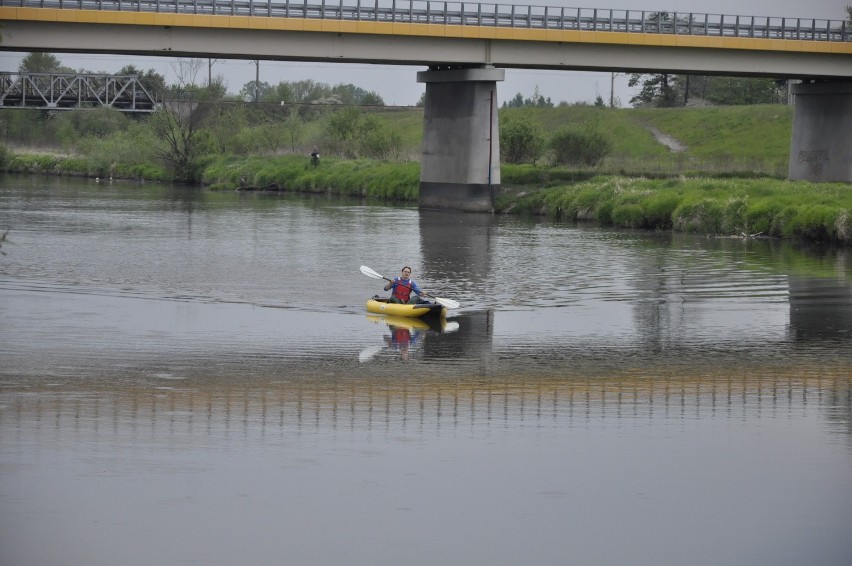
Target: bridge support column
821, 144
460, 164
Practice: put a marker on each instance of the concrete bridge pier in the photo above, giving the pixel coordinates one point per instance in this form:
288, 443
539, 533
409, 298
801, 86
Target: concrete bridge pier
460, 164
821, 144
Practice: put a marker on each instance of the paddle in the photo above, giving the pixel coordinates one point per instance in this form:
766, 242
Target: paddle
449, 303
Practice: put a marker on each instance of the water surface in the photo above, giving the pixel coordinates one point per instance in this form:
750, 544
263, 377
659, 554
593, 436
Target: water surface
190, 376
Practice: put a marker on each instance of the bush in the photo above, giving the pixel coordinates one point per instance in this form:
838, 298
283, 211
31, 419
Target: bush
521, 141
584, 145
98, 122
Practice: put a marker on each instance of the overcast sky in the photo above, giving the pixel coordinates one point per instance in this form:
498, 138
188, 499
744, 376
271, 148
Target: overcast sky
397, 85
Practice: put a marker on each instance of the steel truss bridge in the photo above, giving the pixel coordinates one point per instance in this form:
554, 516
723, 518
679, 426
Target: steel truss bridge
482, 15
69, 91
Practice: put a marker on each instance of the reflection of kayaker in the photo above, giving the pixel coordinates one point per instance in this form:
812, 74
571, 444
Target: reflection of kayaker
402, 339
406, 332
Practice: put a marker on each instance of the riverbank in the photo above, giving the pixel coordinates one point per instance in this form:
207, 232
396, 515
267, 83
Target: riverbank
718, 206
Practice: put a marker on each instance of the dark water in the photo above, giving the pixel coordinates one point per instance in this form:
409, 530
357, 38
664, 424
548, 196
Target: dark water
190, 377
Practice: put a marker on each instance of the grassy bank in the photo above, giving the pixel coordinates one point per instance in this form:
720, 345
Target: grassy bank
363, 178
768, 207
727, 179
743, 141
701, 205
54, 163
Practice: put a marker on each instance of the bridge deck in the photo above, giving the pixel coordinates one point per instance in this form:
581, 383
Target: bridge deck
438, 13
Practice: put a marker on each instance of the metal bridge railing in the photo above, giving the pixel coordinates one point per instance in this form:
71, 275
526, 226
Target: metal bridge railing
481, 14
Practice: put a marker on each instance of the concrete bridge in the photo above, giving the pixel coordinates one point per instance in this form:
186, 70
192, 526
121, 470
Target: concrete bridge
466, 47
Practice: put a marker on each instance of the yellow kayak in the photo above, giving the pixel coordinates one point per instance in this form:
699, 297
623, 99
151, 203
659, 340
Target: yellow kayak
377, 305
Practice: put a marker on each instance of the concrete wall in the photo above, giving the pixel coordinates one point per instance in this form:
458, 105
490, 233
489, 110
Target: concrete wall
821, 143
460, 164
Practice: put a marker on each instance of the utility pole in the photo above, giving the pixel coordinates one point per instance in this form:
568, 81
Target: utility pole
256, 78
612, 76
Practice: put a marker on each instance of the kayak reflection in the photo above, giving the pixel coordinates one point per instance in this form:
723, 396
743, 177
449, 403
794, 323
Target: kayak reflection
406, 334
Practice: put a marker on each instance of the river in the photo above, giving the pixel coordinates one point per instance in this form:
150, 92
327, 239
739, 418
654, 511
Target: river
190, 376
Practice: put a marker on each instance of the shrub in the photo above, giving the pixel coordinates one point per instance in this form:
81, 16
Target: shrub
584, 145
521, 141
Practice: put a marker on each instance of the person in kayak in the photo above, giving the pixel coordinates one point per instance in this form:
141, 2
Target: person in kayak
404, 289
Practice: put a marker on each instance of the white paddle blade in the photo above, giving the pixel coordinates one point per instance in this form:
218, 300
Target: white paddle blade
370, 273
449, 303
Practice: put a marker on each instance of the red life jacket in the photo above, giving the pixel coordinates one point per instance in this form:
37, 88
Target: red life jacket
400, 291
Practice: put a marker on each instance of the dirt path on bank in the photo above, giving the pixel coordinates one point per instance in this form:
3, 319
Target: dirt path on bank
667, 140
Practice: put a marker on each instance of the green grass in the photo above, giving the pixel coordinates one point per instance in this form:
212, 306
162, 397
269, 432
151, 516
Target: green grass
363, 178
732, 140
801, 210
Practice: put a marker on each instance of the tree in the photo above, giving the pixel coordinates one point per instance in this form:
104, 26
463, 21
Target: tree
186, 70
152, 81
344, 126
217, 88
98, 122
39, 63
665, 91
308, 91
176, 127
294, 129
520, 140
741, 90
380, 139
265, 92
351, 94
352, 133
656, 90
222, 121
518, 101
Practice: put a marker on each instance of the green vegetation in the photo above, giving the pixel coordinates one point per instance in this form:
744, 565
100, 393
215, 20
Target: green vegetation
585, 145
521, 141
819, 212
569, 162
364, 178
670, 91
